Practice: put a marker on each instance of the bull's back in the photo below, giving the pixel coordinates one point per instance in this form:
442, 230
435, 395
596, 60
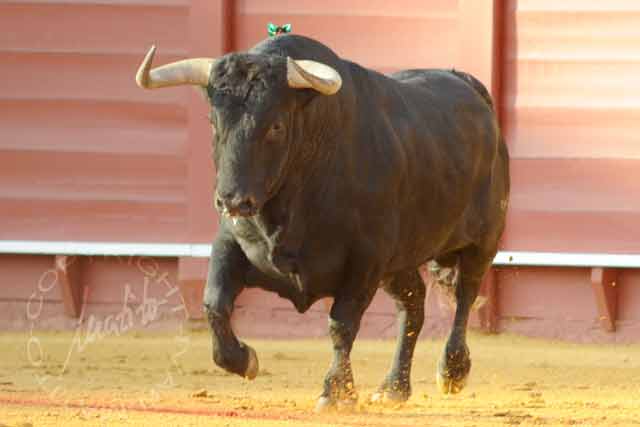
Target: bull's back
451, 144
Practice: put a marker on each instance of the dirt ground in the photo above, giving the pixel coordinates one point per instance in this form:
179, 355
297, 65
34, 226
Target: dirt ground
169, 379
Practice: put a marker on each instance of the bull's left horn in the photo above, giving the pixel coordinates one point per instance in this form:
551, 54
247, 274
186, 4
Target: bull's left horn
311, 74
186, 72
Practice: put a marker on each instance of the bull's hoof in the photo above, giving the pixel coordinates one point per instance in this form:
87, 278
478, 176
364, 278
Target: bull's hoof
326, 404
389, 397
252, 367
452, 380
347, 405
450, 385
453, 368
393, 391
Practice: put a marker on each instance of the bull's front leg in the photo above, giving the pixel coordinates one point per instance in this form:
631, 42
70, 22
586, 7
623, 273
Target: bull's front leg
344, 322
227, 268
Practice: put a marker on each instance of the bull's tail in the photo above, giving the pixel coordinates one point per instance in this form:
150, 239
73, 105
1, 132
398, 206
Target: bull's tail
476, 84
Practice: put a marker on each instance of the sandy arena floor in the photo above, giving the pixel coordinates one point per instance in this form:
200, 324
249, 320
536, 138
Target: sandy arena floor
170, 380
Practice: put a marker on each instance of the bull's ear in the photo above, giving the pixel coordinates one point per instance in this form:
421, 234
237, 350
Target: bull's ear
312, 74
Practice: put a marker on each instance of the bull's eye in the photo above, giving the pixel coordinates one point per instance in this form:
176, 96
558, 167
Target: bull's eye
276, 127
276, 130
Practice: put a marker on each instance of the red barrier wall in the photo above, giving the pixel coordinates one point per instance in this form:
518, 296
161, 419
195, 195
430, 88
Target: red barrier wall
570, 113
87, 156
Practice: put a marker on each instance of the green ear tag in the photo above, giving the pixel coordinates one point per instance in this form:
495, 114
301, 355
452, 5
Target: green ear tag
274, 30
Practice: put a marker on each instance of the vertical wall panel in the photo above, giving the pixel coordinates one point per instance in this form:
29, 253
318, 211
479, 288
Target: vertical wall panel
377, 34
571, 108
86, 154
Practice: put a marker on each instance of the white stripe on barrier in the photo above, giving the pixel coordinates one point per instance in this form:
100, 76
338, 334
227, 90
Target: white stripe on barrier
503, 258
105, 248
563, 259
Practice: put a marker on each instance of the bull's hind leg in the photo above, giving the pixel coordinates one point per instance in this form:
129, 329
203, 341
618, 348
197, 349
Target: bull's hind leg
455, 364
408, 291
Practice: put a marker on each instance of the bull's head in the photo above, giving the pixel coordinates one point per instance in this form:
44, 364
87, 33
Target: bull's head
253, 104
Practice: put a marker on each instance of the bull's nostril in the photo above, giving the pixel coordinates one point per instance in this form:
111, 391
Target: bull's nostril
234, 204
245, 205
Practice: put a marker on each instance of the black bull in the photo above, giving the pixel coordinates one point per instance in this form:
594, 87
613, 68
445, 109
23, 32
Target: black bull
327, 194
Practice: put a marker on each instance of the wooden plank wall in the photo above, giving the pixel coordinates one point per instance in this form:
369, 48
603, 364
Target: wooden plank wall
571, 107
86, 155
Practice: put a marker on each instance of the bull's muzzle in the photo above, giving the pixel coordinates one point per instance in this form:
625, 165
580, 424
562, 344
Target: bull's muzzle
235, 205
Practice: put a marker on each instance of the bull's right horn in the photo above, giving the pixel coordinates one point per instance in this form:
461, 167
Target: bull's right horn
186, 72
312, 74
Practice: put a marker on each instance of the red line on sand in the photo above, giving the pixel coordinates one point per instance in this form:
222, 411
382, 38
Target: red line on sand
185, 411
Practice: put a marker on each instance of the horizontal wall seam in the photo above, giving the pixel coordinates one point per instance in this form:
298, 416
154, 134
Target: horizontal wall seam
199, 250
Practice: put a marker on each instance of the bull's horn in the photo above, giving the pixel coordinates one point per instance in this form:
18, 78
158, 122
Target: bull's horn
186, 72
311, 74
